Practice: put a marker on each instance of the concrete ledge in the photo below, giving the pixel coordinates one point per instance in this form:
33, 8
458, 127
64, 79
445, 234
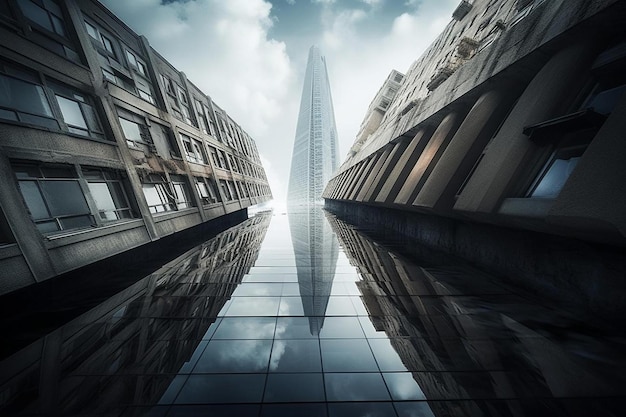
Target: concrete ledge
585, 275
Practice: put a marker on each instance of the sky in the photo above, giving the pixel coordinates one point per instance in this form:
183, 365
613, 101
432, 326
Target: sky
250, 56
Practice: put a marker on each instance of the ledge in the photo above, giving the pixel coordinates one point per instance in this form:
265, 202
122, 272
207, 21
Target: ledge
63, 239
9, 250
168, 215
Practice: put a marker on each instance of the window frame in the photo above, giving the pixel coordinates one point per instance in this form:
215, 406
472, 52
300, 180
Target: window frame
109, 177
57, 220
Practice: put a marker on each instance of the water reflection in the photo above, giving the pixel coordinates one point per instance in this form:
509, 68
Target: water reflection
249, 325
462, 337
129, 349
316, 250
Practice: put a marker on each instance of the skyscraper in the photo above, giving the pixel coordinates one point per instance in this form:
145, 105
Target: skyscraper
315, 150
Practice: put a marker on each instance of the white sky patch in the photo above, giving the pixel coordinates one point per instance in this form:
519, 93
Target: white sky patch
224, 48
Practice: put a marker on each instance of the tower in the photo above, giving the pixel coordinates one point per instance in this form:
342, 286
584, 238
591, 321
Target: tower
315, 150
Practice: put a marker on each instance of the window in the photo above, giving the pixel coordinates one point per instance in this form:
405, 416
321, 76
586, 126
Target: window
556, 173
23, 99
168, 85
184, 107
193, 149
201, 112
158, 195
222, 158
77, 112
53, 197
46, 14
108, 193
48, 20
101, 40
136, 63
217, 161
570, 135
134, 128
142, 81
181, 191
226, 190
206, 190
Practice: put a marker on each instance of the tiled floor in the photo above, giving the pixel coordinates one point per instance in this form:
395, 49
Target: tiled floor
293, 322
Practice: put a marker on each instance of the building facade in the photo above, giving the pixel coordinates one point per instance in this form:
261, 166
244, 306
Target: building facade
315, 147
104, 145
506, 134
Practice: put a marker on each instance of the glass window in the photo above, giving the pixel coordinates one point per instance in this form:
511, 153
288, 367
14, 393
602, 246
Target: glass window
158, 196
47, 15
108, 193
132, 130
108, 45
162, 196
91, 31
23, 96
131, 59
206, 190
71, 112
181, 191
53, 197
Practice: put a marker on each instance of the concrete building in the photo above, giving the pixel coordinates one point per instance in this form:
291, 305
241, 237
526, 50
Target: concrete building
104, 145
315, 147
503, 145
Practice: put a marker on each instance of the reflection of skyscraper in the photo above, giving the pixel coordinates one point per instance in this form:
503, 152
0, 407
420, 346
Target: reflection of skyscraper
315, 150
316, 252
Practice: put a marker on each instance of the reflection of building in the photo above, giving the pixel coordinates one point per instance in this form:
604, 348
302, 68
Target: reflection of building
503, 145
464, 337
316, 251
315, 147
128, 349
105, 146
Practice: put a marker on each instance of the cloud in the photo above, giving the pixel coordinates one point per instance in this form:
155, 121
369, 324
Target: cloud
225, 48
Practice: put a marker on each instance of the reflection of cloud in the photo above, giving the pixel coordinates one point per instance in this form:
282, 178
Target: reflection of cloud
246, 351
252, 329
277, 353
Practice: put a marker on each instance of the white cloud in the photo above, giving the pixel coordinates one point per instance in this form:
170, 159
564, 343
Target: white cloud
359, 62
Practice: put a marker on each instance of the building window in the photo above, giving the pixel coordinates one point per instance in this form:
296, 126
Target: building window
158, 195
193, 150
181, 192
134, 128
201, 112
107, 190
48, 19
77, 111
101, 40
53, 196
226, 190
142, 81
23, 99
136, 63
206, 190
570, 140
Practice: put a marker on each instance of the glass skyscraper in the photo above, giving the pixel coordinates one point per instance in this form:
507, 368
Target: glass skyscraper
315, 147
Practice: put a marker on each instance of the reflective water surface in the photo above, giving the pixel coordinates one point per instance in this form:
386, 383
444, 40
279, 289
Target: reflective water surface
304, 315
